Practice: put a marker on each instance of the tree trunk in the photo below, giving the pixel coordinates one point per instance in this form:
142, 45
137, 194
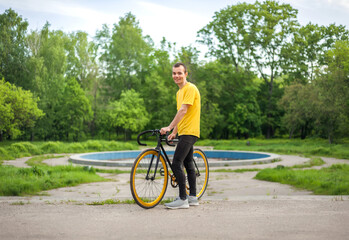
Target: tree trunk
330, 140
269, 116
32, 135
291, 133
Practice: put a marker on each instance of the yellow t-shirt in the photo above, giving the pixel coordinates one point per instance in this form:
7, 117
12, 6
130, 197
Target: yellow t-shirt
190, 123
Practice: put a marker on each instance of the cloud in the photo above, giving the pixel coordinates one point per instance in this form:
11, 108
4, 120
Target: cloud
173, 23
339, 3
76, 16
66, 8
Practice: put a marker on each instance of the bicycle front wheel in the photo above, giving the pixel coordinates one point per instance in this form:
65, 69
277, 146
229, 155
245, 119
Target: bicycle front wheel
148, 179
202, 172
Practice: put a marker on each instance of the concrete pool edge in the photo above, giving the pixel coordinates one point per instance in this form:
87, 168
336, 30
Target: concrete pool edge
79, 159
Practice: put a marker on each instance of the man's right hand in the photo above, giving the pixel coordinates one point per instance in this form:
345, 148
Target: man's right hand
164, 130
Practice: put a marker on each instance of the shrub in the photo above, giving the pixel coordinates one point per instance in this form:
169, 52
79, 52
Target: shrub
4, 155
321, 151
51, 147
93, 145
18, 148
76, 148
116, 146
32, 149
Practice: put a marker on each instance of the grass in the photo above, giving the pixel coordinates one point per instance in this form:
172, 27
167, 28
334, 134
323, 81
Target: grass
28, 181
315, 161
240, 170
38, 160
127, 201
333, 180
112, 201
20, 203
114, 171
306, 147
12, 150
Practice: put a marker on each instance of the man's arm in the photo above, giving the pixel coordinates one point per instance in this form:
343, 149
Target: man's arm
179, 115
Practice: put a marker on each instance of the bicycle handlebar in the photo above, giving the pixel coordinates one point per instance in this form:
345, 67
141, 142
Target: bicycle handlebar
142, 133
158, 135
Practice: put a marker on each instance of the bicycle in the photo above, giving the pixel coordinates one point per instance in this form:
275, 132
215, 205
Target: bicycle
150, 172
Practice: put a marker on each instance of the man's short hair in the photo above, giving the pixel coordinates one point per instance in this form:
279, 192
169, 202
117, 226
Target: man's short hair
180, 64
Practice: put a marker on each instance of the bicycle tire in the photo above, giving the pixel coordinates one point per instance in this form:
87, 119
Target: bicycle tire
148, 193
202, 172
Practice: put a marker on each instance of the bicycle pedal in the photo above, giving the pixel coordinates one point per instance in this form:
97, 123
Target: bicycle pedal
162, 172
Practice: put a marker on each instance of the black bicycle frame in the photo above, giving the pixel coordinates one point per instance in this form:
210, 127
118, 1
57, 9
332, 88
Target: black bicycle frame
160, 150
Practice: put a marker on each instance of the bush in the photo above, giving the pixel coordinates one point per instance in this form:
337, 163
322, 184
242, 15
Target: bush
4, 154
75, 148
93, 145
321, 151
32, 149
18, 148
51, 147
116, 146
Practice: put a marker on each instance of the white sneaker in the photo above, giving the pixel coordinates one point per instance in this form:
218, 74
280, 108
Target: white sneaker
193, 201
178, 203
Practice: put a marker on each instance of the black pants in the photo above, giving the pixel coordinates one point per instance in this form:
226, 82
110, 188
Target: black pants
184, 156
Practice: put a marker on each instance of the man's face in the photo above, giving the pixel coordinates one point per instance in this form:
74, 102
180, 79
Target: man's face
178, 75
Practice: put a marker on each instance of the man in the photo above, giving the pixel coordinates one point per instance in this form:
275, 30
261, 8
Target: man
187, 124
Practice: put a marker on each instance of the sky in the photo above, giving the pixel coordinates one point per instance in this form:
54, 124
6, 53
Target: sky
178, 21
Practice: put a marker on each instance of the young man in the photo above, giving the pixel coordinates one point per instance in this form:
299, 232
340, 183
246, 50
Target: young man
187, 124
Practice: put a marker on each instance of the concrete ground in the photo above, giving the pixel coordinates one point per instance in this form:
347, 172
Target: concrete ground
235, 206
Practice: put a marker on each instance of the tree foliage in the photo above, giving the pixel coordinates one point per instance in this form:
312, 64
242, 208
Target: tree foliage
129, 112
253, 36
126, 56
266, 74
13, 52
18, 110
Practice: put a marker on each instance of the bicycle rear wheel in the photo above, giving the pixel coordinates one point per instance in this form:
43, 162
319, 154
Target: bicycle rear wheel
148, 185
202, 172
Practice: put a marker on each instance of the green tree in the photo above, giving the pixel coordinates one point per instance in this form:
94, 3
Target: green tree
13, 53
81, 59
333, 108
306, 54
126, 55
18, 110
224, 93
324, 101
299, 103
159, 90
82, 65
75, 110
129, 112
253, 36
224, 35
48, 64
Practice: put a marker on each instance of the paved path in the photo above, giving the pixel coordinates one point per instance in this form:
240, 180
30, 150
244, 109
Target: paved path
235, 206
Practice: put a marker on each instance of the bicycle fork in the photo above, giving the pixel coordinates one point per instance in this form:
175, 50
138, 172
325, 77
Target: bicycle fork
156, 167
